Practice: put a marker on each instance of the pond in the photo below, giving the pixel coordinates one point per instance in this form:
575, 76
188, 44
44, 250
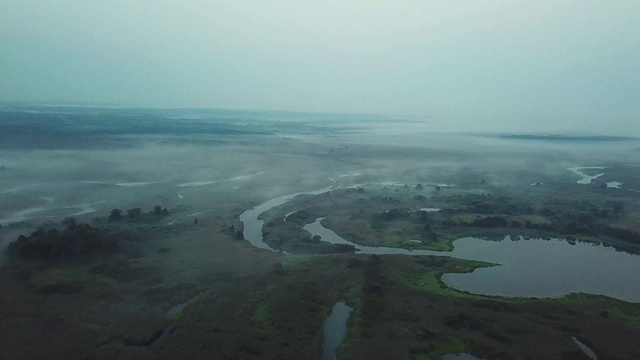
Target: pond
546, 268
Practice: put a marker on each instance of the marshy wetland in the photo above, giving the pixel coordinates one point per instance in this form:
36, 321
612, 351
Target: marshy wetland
163, 234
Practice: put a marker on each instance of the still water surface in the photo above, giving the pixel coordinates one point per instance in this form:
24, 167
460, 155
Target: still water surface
526, 268
335, 330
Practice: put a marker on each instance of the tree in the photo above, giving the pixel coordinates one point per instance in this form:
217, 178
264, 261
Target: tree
115, 215
618, 208
159, 211
134, 213
432, 237
54, 245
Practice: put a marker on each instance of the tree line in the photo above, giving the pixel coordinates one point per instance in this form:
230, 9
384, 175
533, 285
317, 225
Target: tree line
136, 213
53, 245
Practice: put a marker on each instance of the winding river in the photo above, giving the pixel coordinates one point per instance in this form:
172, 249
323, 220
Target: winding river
527, 268
253, 226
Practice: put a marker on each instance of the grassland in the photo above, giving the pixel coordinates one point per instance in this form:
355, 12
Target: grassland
246, 303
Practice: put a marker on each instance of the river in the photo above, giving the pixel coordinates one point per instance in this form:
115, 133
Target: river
527, 268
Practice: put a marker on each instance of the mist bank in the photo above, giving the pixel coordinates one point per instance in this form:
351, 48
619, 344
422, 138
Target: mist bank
57, 158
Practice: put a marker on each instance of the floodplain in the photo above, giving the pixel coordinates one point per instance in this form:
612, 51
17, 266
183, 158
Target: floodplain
123, 236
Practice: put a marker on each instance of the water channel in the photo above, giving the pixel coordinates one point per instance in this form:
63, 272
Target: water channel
525, 268
335, 330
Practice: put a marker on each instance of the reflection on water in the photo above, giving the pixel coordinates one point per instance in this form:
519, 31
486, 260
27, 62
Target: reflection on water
335, 330
614, 184
546, 268
585, 349
586, 179
527, 268
176, 311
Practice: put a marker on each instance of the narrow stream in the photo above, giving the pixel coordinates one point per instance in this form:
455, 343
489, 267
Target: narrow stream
335, 330
585, 349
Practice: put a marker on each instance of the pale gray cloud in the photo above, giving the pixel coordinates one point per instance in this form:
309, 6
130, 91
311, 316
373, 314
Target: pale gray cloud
472, 65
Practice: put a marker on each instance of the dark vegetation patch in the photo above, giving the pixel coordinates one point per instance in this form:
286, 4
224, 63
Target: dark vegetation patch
155, 336
278, 315
60, 288
53, 245
137, 215
123, 270
401, 310
170, 295
399, 320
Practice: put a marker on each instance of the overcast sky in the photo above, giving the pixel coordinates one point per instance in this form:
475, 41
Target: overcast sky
474, 65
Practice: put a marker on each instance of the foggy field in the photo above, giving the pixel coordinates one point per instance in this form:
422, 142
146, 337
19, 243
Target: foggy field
319, 180
207, 168
153, 159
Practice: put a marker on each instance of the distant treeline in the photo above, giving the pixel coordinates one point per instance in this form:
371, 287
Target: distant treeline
134, 214
562, 217
567, 137
570, 228
50, 130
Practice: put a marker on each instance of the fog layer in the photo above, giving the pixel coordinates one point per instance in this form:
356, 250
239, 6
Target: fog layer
490, 65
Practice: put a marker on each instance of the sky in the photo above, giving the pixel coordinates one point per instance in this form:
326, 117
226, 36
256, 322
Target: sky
491, 65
